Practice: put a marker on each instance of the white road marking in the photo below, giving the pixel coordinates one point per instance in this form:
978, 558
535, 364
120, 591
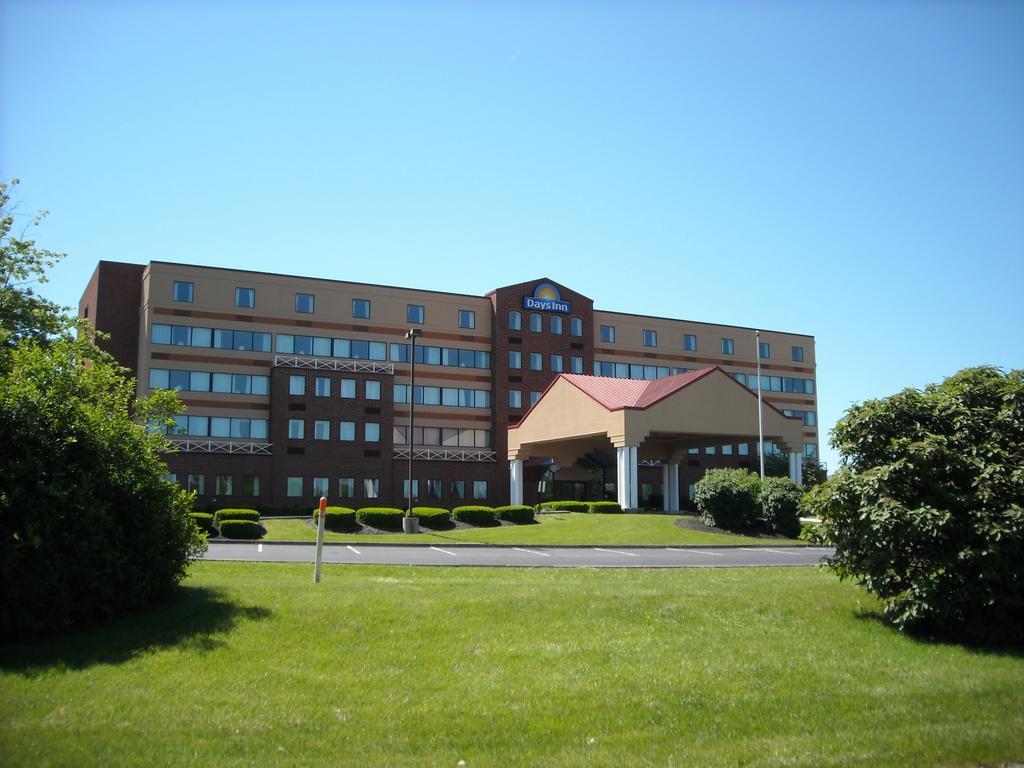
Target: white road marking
438, 549
695, 551
349, 546
746, 549
781, 552
259, 547
531, 552
616, 552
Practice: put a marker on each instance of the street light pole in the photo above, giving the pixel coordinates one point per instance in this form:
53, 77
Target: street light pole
411, 524
760, 408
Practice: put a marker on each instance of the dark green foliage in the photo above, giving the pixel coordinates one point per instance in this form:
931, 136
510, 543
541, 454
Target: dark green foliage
337, 518
565, 506
385, 518
432, 517
813, 472
776, 465
474, 515
780, 505
236, 514
606, 507
204, 522
240, 529
928, 510
515, 514
727, 498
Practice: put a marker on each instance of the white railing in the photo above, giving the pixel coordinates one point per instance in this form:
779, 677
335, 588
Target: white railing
445, 454
330, 364
651, 463
188, 445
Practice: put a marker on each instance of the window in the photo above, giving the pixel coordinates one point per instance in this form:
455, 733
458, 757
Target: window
371, 487
798, 354
250, 485
556, 325
223, 485
576, 364
811, 450
479, 489
323, 386
689, 342
414, 313
467, 318
608, 334
556, 364
650, 338
361, 309
304, 303
743, 449
457, 489
296, 429
515, 320
183, 291
575, 326
346, 487
728, 348
296, 385
160, 334
415, 489
536, 322
764, 350
727, 450
197, 483
372, 389
321, 487
515, 358
347, 431
371, 432
434, 489
534, 397
515, 398
536, 361
348, 388
321, 430
710, 450
245, 297
294, 486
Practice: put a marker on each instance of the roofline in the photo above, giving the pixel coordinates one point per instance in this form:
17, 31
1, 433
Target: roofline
701, 322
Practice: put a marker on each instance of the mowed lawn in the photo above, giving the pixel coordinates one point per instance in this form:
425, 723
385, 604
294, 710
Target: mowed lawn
554, 529
254, 665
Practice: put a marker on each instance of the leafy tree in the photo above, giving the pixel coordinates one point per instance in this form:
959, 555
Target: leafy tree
814, 472
927, 511
88, 525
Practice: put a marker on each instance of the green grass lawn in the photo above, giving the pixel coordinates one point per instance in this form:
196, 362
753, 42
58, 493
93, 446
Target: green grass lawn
564, 528
378, 665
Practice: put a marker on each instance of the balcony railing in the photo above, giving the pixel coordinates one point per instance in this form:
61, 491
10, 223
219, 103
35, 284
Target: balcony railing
330, 364
445, 454
191, 445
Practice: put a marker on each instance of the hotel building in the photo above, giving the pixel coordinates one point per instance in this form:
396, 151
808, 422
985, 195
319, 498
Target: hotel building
298, 387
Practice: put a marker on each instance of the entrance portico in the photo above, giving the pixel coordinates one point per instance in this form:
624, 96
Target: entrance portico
655, 422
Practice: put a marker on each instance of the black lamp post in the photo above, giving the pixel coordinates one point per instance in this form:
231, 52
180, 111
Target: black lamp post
411, 524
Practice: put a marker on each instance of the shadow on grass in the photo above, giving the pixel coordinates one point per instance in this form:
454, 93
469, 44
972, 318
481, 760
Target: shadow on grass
924, 637
193, 618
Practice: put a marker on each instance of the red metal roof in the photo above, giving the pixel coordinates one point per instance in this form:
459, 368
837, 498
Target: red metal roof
616, 394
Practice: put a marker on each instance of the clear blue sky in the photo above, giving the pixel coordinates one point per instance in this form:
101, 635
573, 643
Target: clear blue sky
850, 170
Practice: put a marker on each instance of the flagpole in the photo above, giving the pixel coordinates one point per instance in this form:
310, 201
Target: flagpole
760, 409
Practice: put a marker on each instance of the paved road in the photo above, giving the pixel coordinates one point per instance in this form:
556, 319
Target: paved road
526, 556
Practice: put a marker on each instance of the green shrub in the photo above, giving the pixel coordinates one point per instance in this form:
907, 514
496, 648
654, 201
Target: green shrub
236, 514
204, 522
385, 518
515, 514
432, 517
474, 515
605, 507
727, 498
780, 505
565, 506
811, 533
927, 511
240, 529
337, 518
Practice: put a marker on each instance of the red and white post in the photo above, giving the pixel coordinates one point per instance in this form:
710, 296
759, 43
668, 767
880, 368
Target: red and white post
321, 515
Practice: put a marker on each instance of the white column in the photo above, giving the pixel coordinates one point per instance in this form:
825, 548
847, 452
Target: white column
673, 484
515, 478
634, 485
622, 477
796, 468
666, 490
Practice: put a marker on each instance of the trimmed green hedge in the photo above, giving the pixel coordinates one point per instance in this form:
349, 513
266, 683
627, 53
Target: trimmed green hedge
606, 507
338, 518
727, 498
565, 506
236, 514
515, 514
387, 518
204, 522
780, 505
432, 517
474, 515
240, 529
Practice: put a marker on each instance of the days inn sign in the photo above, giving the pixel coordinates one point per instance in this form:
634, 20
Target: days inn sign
546, 298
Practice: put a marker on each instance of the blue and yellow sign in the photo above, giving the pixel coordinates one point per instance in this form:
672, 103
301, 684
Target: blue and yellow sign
547, 299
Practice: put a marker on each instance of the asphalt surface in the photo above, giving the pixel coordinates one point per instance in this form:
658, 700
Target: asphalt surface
526, 556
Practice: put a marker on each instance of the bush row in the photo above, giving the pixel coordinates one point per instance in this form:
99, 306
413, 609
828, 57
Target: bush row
736, 499
604, 507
